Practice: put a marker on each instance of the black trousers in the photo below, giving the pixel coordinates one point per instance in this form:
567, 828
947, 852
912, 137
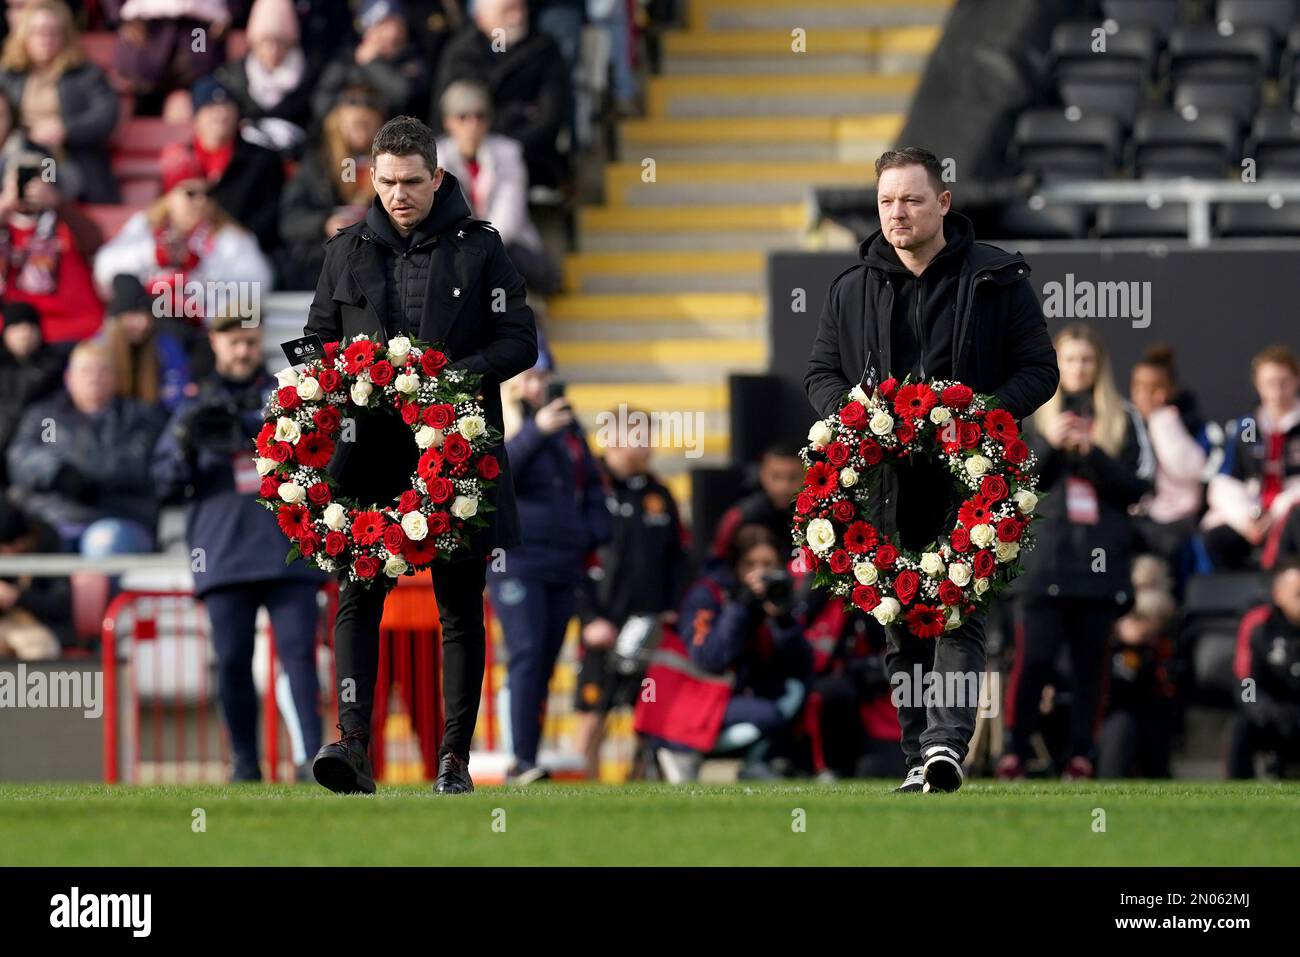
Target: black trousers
458, 587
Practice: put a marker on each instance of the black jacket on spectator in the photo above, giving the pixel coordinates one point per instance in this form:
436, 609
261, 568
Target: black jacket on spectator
530, 89
88, 107
22, 383
307, 202
1064, 562
1275, 666
249, 190
402, 83
47, 597
294, 108
454, 269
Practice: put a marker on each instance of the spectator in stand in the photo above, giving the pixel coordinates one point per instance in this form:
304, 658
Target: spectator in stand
563, 519
780, 476
528, 80
152, 360
35, 611
385, 61
273, 83
739, 619
157, 52
29, 369
332, 188
1093, 463
63, 102
633, 590
76, 461
1136, 739
202, 459
1269, 655
1165, 518
1259, 480
184, 238
1284, 541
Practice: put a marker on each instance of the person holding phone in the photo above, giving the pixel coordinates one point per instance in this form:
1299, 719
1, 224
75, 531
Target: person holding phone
563, 517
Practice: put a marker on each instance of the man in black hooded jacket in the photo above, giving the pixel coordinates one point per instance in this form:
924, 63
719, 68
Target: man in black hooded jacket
929, 301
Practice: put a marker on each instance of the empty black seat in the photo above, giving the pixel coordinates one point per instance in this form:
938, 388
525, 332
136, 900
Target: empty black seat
1277, 15
1167, 144
1158, 15
1034, 220
1238, 98
1274, 144
1257, 219
1056, 144
1200, 51
1138, 220
1109, 80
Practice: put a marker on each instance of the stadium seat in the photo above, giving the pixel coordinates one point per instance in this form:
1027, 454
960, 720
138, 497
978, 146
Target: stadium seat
1207, 632
1277, 15
1200, 51
98, 45
1112, 82
139, 192
1257, 219
1052, 221
1156, 15
1140, 221
1238, 98
109, 218
148, 135
1056, 145
1167, 144
1274, 144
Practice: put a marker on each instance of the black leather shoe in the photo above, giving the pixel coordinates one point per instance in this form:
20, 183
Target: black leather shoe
453, 775
344, 766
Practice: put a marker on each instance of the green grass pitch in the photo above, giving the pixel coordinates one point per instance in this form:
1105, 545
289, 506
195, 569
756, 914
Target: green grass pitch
860, 823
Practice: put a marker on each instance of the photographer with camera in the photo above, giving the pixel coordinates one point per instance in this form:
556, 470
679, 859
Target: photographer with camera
739, 618
204, 458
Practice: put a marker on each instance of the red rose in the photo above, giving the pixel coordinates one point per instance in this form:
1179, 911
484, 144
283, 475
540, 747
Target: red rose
1009, 530
968, 434
288, 398
886, 555
905, 432
329, 380
410, 412
308, 544
381, 373
327, 419
409, 501
993, 488
854, 416
984, 563
280, 452
843, 511
906, 584
432, 362
803, 503
957, 396
440, 489
394, 538
1016, 451
866, 597
439, 416
488, 467
949, 592
270, 487
335, 542
840, 561
366, 566
319, 494
960, 540
887, 388
455, 448
837, 453
439, 523
331, 352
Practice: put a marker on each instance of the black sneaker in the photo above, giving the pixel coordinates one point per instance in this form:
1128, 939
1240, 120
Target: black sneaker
344, 766
942, 769
529, 775
453, 775
915, 781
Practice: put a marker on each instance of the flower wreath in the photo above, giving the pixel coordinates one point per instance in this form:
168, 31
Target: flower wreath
305, 417
943, 585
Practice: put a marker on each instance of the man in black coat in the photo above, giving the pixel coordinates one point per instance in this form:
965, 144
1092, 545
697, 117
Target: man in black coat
419, 266
929, 301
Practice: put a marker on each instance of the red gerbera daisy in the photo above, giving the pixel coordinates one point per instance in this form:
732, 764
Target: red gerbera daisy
915, 400
293, 520
821, 479
367, 527
359, 355
1000, 424
421, 552
974, 511
926, 621
860, 537
314, 450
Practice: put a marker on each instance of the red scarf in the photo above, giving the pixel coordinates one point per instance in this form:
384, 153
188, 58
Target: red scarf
214, 162
177, 254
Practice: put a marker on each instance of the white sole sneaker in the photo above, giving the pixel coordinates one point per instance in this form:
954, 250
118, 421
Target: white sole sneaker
915, 781
942, 770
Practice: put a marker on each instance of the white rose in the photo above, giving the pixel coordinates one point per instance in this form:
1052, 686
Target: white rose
865, 573
1006, 551
960, 573
858, 394
982, 535
406, 383
977, 465
425, 435
1026, 501
309, 389
820, 535
464, 506
981, 585
848, 477
360, 391
415, 526
286, 430
472, 426
820, 435
264, 466
940, 414
292, 492
395, 566
932, 564
335, 516
887, 610
954, 619
398, 347
286, 377
882, 423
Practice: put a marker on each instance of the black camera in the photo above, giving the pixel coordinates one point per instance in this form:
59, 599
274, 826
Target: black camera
215, 423
778, 588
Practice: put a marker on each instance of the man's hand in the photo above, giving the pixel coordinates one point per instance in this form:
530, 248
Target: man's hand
1257, 531
599, 633
554, 416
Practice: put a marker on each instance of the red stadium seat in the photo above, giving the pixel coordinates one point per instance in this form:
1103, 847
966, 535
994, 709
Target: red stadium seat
148, 135
98, 47
236, 44
140, 192
109, 218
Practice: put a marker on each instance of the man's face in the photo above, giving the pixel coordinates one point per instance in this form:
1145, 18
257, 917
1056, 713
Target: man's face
628, 458
911, 212
1276, 385
510, 17
237, 352
90, 382
215, 124
22, 339
468, 129
1286, 594
780, 476
405, 187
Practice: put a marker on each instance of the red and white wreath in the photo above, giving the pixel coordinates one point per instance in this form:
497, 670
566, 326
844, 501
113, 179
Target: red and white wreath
312, 411
937, 589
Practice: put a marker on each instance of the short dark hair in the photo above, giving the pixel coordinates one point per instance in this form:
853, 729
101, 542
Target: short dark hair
406, 136
913, 156
748, 537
